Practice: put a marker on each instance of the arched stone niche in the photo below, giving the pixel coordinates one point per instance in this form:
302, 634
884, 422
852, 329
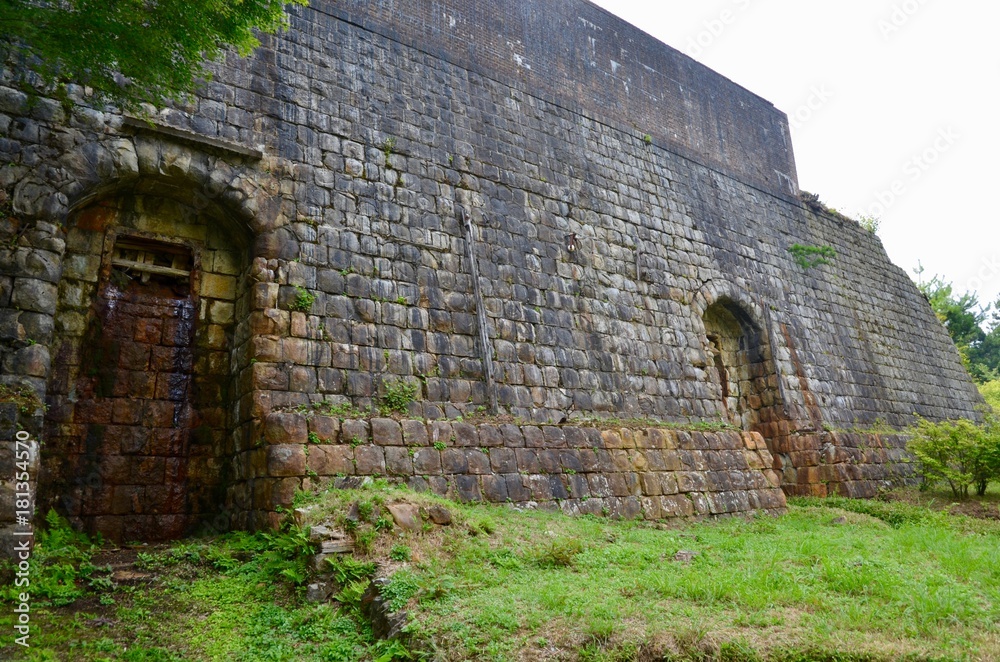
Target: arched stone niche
739, 365
144, 394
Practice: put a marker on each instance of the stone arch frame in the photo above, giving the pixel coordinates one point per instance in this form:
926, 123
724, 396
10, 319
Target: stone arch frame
95, 169
241, 197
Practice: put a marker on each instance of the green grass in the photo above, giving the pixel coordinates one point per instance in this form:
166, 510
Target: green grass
896, 581
891, 581
234, 598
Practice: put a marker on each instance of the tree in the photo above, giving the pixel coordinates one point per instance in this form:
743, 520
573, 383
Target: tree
964, 319
129, 51
958, 452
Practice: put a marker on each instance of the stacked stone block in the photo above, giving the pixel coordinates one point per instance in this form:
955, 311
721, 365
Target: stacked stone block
625, 472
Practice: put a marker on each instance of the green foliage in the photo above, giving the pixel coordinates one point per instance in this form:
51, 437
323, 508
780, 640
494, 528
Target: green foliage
482, 526
397, 396
401, 587
965, 319
870, 223
347, 569
991, 393
559, 553
22, 396
400, 553
61, 568
364, 538
896, 515
811, 256
160, 47
959, 314
439, 445
304, 300
959, 453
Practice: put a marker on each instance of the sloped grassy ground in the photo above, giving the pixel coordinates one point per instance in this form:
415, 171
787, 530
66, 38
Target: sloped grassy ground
833, 580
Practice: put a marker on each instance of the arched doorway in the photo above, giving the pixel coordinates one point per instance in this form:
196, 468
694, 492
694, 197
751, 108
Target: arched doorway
740, 367
139, 427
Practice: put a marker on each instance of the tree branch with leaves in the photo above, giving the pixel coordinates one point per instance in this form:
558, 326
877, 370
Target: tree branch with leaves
129, 51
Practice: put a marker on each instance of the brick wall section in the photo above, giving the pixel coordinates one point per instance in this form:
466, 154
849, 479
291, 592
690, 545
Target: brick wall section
356, 137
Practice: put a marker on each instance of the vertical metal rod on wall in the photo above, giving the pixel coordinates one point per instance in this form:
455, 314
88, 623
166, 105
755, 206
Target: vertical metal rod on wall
486, 347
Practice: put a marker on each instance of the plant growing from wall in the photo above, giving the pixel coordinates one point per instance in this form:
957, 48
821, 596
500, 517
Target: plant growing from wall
304, 300
870, 223
811, 256
397, 396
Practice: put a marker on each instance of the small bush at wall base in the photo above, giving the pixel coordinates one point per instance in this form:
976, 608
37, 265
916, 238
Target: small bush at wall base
959, 453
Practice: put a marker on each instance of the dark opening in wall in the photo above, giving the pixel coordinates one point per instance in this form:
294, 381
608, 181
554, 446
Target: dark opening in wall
743, 371
152, 261
140, 425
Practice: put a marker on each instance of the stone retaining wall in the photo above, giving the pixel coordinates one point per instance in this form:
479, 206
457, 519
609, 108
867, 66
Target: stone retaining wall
623, 472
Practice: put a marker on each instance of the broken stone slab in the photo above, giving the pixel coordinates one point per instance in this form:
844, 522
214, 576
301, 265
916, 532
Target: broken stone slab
300, 514
321, 532
337, 546
439, 515
405, 515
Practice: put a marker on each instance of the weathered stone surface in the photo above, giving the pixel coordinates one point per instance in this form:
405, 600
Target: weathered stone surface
274, 191
386, 432
286, 460
439, 515
405, 515
285, 428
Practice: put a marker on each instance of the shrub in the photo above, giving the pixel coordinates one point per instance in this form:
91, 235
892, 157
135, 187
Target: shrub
400, 553
958, 452
870, 223
60, 565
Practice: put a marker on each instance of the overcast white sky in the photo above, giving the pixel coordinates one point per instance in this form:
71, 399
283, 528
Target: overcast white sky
881, 94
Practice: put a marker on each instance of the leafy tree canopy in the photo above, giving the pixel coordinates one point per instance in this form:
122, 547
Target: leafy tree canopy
974, 330
159, 47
